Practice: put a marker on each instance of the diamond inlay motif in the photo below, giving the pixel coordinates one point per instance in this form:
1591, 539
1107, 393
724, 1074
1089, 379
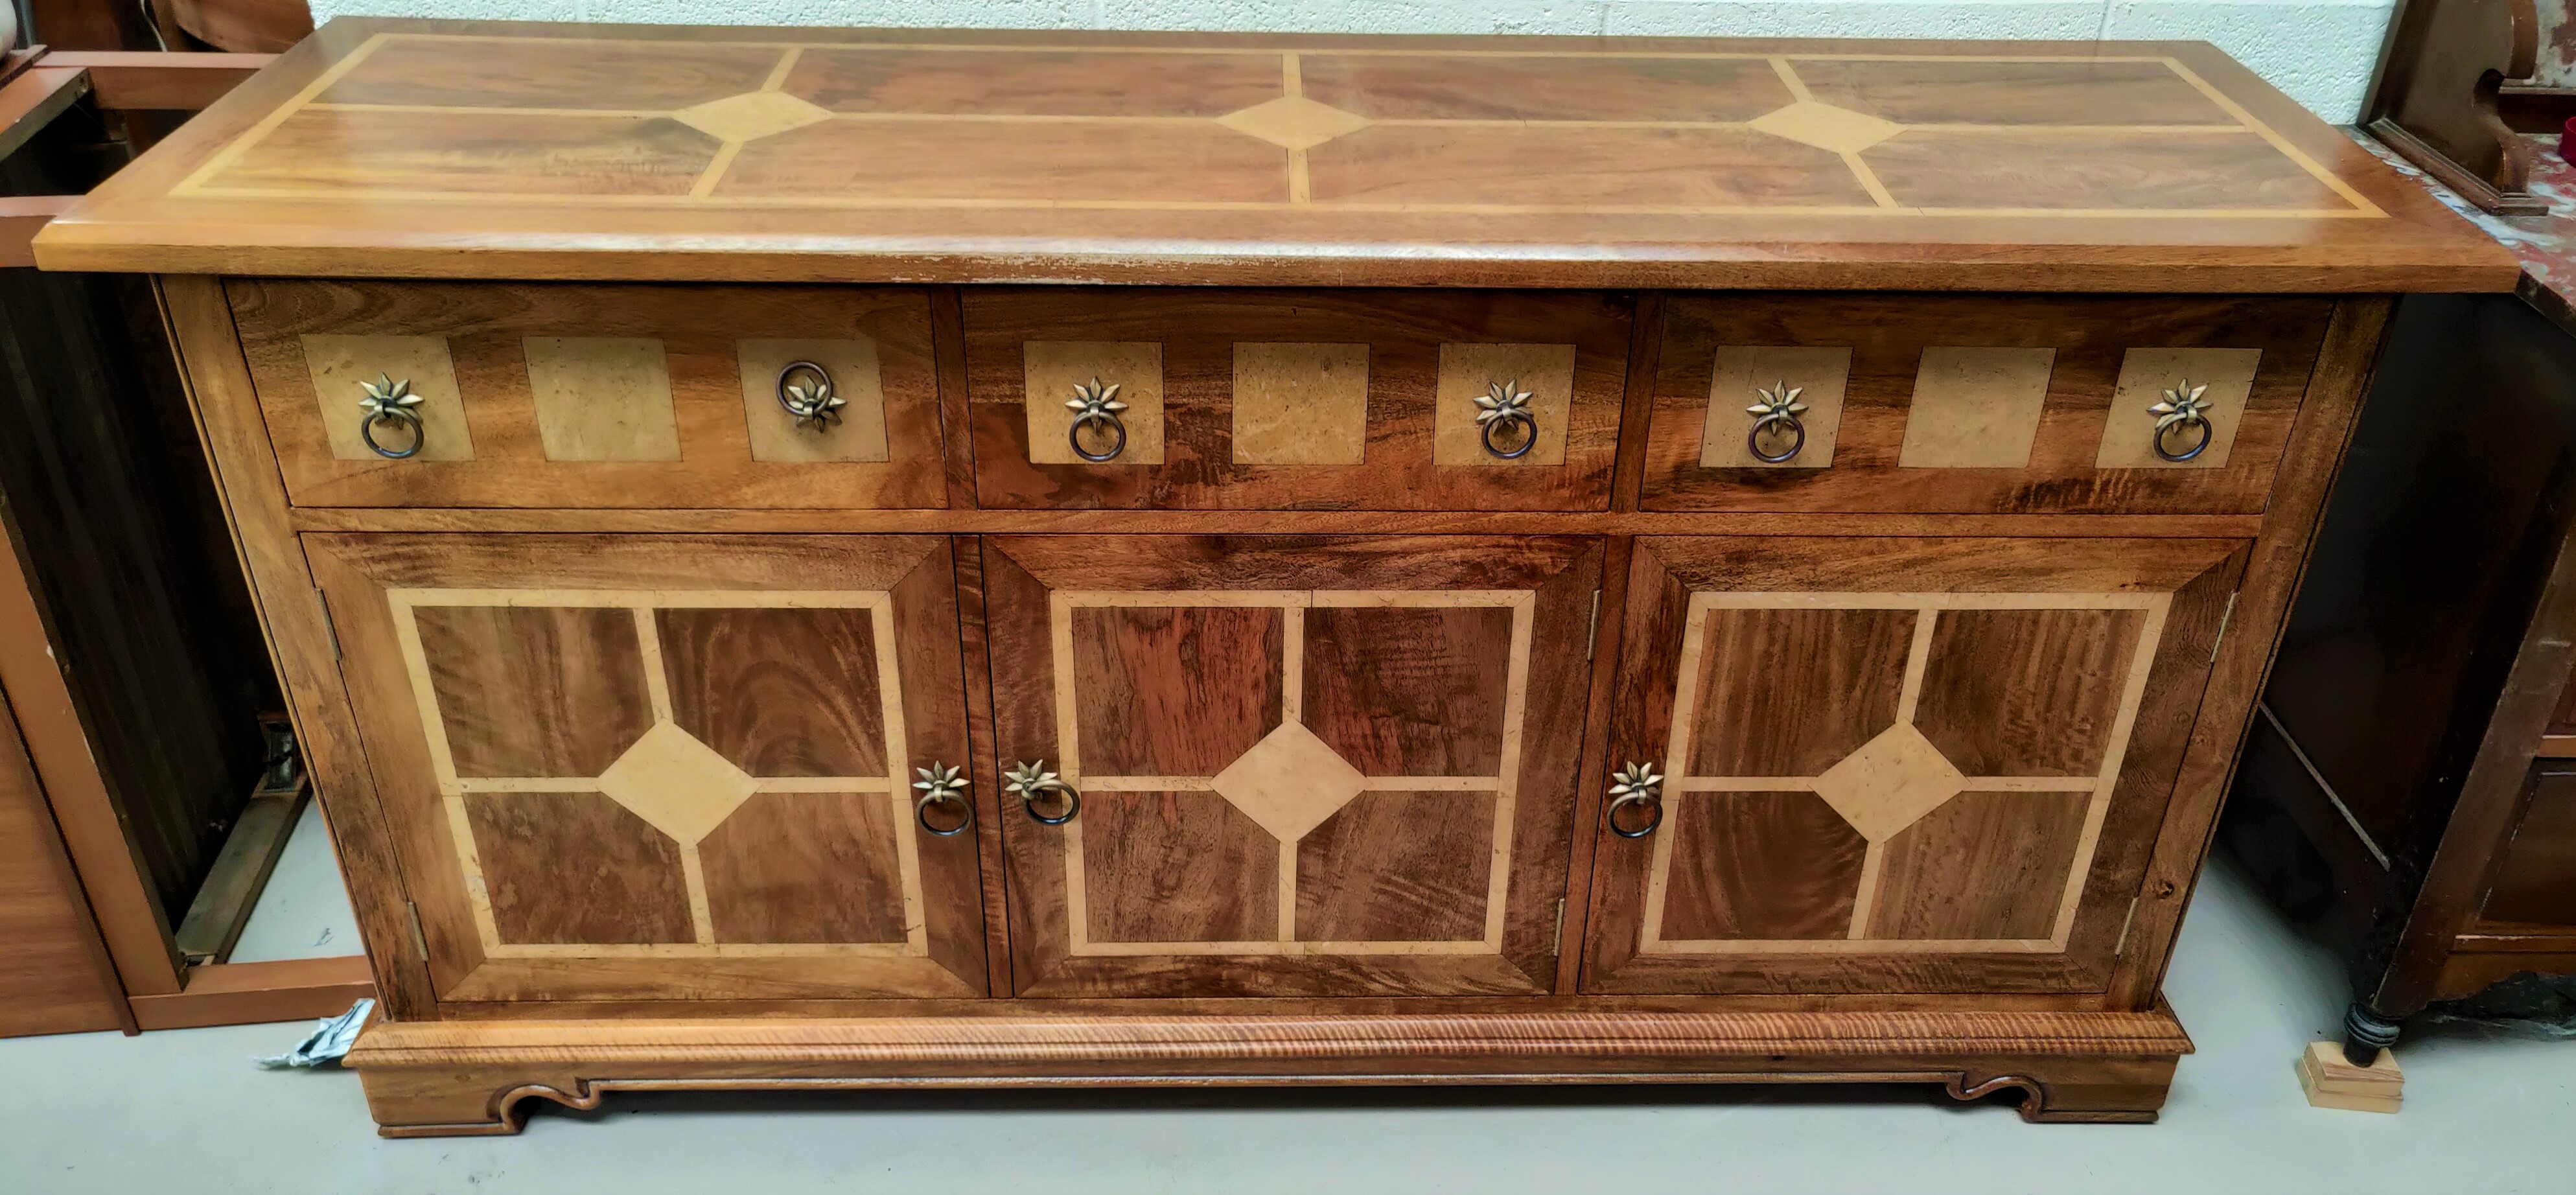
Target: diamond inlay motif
1891, 781
680, 785
1289, 782
1293, 122
1826, 127
750, 116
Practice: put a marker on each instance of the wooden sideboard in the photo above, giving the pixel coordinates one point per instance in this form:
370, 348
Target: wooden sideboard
944, 559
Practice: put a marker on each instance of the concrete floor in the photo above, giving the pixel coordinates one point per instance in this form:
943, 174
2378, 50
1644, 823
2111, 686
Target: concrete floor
186, 1111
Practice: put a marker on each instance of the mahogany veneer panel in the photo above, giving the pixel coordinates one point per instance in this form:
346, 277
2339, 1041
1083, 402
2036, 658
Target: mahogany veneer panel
638, 860
954, 156
1897, 848
1201, 692
778, 692
806, 867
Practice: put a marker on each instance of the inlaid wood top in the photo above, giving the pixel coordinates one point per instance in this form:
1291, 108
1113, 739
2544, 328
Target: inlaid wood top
534, 151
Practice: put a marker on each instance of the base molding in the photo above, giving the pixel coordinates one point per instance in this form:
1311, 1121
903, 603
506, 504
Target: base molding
453, 1078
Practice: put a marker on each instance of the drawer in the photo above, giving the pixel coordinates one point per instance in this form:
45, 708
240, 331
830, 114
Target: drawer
540, 395
1314, 400
1930, 404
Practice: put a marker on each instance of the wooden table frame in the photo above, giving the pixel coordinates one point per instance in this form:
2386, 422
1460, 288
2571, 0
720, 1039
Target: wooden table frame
137, 959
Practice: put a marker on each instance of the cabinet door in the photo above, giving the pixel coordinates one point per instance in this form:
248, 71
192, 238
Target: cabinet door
1306, 765
1896, 765
666, 767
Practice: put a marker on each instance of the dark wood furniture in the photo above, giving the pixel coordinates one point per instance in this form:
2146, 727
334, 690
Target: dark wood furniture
129, 655
1336, 559
2410, 785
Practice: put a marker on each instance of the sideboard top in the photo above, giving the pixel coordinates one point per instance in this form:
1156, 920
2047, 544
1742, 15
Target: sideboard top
487, 150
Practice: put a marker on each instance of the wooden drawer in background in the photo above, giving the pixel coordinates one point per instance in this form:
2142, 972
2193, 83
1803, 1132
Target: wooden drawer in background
1317, 400
1926, 404
541, 395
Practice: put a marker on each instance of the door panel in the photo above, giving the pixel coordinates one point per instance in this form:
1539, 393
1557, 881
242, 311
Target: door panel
665, 767
1928, 765
1308, 765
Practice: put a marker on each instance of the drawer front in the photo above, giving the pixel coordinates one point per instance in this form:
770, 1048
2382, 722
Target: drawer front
1933, 404
543, 395
1919, 765
1305, 766
1309, 400
639, 767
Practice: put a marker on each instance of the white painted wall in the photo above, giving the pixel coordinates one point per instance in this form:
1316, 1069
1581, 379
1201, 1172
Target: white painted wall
2319, 51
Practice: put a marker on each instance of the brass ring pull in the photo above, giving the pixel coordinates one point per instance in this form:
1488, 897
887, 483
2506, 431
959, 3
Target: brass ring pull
1095, 405
1032, 783
1637, 785
2183, 407
1776, 413
805, 390
942, 786
388, 401
1506, 406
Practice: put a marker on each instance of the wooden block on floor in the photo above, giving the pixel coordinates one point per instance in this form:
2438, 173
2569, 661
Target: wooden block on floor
2333, 1082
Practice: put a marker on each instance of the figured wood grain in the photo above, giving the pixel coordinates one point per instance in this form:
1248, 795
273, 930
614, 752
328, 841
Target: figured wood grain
1175, 691
535, 691
2026, 692
948, 156
780, 692
1629, 952
1176, 867
591, 391
1409, 692
943, 951
1888, 337
1030, 579
1398, 866
1420, 449
1759, 865
806, 867
430, 1079
574, 867
1982, 865
1784, 692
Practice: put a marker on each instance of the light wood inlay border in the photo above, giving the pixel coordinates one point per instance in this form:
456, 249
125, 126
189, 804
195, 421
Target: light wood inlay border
1505, 784
452, 789
1681, 785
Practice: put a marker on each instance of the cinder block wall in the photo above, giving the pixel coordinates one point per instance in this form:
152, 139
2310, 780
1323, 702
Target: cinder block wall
2319, 51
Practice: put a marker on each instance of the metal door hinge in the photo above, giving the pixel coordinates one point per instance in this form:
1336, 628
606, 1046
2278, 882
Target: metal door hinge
1592, 630
2221, 636
328, 627
1559, 948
